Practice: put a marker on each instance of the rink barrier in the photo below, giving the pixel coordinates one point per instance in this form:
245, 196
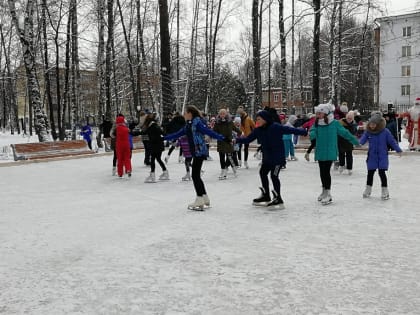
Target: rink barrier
137, 143
50, 149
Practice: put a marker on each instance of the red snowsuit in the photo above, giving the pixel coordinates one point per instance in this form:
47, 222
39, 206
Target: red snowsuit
122, 147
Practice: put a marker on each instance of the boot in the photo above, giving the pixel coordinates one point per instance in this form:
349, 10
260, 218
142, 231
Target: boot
322, 194
151, 178
114, 171
246, 164
349, 172
307, 156
263, 199
327, 199
198, 204
187, 177
367, 192
277, 202
164, 175
223, 174
385, 193
206, 200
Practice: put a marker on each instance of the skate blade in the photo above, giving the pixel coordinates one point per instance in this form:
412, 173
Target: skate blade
260, 204
196, 208
326, 202
275, 207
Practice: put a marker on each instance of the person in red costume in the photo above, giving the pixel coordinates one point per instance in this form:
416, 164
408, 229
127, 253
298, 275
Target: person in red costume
122, 147
412, 131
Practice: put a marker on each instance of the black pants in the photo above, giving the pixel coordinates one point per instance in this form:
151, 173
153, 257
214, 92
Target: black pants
325, 173
197, 163
346, 158
274, 170
313, 144
246, 151
155, 156
382, 175
114, 159
187, 163
147, 152
226, 160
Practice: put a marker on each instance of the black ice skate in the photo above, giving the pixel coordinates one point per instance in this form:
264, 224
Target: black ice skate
263, 200
276, 203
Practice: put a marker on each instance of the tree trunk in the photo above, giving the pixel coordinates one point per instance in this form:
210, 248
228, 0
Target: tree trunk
284, 95
359, 86
315, 54
108, 54
165, 60
26, 36
256, 55
332, 45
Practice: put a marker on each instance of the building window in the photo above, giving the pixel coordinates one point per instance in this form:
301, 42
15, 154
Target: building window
407, 31
405, 90
276, 97
406, 51
406, 71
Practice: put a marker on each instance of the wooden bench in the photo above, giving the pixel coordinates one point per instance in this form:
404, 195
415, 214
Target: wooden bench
53, 149
137, 143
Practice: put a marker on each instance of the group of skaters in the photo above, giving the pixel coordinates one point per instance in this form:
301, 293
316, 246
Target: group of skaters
333, 130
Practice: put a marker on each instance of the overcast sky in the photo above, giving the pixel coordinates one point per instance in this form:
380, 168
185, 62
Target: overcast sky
401, 6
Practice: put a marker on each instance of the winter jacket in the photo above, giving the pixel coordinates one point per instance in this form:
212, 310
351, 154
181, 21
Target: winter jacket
270, 136
326, 139
86, 132
155, 136
225, 127
185, 147
343, 144
122, 146
247, 124
195, 130
379, 139
175, 124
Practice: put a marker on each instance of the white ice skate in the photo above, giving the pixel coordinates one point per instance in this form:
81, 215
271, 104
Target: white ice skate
246, 165
164, 175
223, 174
327, 199
197, 205
187, 177
151, 178
367, 192
206, 200
385, 193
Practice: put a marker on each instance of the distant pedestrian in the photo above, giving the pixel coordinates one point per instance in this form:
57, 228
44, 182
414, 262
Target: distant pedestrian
122, 147
86, 133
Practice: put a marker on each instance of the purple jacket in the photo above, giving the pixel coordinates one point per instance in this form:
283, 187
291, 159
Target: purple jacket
378, 148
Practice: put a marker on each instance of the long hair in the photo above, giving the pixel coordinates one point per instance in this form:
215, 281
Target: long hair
195, 112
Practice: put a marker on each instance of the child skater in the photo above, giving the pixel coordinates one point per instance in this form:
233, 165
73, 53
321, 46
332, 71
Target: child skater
326, 131
122, 147
195, 130
185, 149
379, 138
270, 135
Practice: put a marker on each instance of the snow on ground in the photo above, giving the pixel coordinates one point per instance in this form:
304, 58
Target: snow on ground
75, 240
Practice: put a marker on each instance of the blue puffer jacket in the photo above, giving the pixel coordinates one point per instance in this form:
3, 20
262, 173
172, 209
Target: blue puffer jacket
270, 136
378, 147
195, 131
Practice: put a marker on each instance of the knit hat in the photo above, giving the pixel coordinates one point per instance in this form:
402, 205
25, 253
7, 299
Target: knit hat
344, 108
292, 119
350, 115
375, 117
417, 101
324, 108
237, 120
266, 116
120, 119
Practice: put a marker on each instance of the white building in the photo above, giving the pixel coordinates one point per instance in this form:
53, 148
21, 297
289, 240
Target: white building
397, 60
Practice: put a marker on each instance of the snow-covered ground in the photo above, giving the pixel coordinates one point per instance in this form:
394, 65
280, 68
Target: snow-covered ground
75, 240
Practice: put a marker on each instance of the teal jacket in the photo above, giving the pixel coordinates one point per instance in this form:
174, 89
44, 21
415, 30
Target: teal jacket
326, 148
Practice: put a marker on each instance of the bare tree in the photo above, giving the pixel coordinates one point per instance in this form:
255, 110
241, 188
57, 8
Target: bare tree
316, 66
26, 37
256, 44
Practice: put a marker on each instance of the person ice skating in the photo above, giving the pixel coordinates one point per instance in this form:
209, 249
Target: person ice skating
176, 123
195, 130
379, 138
86, 133
156, 145
225, 126
122, 147
345, 147
270, 136
289, 147
247, 125
412, 131
185, 149
308, 125
325, 131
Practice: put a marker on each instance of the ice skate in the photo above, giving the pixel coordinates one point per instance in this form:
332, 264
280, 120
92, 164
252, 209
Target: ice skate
180, 159
246, 165
384, 193
223, 174
336, 166
327, 199
151, 178
164, 175
276, 203
293, 158
367, 192
129, 174
262, 200
321, 195
349, 172
166, 159
340, 169
234, 171
187, 177
198, 204
239, 163
114, 171
307, 156
206, 200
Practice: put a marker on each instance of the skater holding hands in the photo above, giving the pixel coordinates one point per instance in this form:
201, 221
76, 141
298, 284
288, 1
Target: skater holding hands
379, 138
270, 135
195, 129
